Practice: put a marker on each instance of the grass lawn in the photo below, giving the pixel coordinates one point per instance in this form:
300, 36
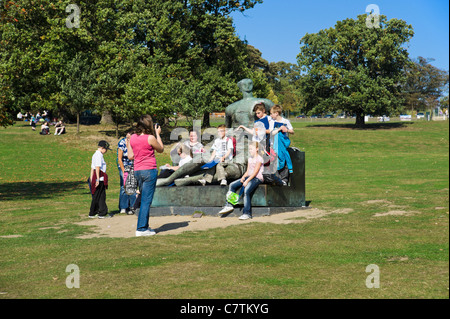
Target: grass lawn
393, 178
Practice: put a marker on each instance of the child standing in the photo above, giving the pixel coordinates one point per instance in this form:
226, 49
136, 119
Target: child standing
99, 182
249, 181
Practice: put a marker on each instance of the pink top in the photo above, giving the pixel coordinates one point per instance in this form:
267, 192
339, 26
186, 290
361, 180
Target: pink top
144, 154
252, 164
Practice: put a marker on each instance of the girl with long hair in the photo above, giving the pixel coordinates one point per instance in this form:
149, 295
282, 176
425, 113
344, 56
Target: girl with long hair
141, 148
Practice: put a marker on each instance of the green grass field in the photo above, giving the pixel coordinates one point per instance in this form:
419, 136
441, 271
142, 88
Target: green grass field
393, 178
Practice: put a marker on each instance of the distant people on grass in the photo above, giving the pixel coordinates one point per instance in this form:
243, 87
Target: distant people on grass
45, 129
60, 128
33, 122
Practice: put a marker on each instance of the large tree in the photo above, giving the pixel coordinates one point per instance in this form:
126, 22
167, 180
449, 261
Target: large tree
424, 85
355, 67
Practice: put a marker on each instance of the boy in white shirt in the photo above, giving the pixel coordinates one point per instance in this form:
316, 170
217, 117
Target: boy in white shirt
284, 163
222, 154
99, 182
279, 123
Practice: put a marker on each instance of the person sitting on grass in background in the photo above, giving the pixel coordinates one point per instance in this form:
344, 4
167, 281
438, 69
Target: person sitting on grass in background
99, 182
60, 128
249, 182
45, 129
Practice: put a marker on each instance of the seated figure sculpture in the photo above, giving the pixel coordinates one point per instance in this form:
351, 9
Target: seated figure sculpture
237, 114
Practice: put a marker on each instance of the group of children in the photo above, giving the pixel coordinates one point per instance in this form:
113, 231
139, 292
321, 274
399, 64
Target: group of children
266, 141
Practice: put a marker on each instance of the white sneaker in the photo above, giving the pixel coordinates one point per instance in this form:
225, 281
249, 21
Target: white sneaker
226, 209
202, 181
123, 211
245, 217
223, 182
148, 232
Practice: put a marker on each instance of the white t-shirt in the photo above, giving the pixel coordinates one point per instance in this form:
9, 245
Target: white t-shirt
98, 160
283, 121
185, 160
221, 146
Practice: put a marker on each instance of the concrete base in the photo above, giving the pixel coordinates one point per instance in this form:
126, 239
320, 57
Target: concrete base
266, 200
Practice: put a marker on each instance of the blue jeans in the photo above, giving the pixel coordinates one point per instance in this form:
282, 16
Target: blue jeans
147, 183
125, 201
248, 193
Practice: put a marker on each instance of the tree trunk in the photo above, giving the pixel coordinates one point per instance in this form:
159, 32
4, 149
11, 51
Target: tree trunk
360, 120
106, 118
206, 122
78, 122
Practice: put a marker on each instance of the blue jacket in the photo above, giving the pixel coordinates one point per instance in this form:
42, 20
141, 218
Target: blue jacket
280, 145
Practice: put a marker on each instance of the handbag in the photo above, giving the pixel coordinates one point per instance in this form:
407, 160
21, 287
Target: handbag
130, 186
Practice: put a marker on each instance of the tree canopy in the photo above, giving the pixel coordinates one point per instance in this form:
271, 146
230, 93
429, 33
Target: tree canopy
355, 68
152, 56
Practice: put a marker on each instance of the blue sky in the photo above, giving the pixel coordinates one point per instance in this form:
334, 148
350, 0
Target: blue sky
275, 27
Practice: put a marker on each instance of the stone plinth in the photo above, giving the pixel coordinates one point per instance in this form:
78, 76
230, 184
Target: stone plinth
267, 199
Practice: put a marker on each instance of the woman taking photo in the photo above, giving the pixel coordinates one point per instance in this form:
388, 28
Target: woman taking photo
141, 148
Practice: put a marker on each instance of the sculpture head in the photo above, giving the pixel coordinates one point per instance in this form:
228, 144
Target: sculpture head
245, 85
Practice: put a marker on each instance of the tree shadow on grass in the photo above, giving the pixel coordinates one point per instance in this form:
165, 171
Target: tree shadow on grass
39, 190
368, 126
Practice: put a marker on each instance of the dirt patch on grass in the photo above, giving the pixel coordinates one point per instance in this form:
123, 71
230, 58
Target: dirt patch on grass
124, 226
378, 202
395, 213
11, 236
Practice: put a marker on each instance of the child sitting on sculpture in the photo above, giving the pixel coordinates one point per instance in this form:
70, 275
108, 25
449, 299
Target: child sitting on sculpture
261, 128
222, 155
248, 182
185, 154
280, 129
